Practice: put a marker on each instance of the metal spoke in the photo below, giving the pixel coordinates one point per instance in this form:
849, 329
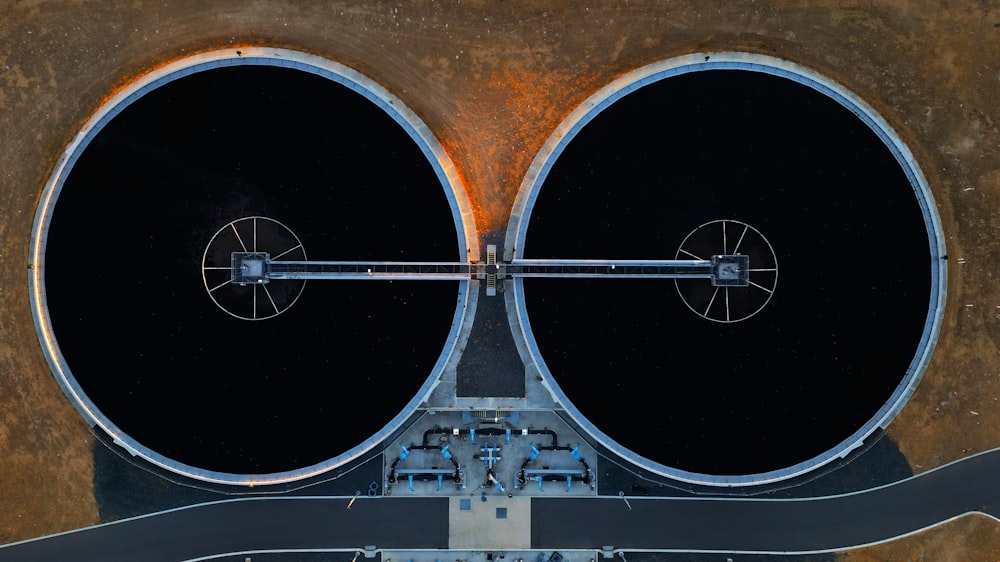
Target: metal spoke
268, 293
265, 235
233, 224
710, 301
292, 249
727, 304
219, 286
743, 303
761, 287
736, 250
689, 253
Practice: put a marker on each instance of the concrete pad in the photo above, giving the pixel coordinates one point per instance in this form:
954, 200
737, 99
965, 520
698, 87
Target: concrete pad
478, 528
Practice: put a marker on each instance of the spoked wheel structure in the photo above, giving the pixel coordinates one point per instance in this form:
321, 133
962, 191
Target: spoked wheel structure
251, 301
729, 304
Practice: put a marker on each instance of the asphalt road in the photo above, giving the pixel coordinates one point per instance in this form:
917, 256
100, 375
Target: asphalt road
761, 525
730, 525
252, 524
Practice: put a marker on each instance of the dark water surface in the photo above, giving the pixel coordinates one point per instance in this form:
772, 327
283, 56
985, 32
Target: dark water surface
853, 283
136, 325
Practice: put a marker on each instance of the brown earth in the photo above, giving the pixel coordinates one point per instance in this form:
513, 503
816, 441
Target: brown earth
966, 539
492, 80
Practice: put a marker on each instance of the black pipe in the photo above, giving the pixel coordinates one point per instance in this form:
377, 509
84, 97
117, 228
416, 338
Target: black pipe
492, 431
522, 478
555, 438
425, 447
435, 430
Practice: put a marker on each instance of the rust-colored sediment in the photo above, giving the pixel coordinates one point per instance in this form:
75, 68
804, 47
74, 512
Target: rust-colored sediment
533, 101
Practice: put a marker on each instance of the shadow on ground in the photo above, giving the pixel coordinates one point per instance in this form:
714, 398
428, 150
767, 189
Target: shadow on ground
876, 463
128, 487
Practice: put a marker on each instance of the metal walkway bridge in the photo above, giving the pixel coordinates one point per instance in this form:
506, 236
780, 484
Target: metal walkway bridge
258, 267
249, 254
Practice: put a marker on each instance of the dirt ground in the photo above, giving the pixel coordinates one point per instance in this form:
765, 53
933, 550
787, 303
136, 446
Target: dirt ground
492, 79
972, 537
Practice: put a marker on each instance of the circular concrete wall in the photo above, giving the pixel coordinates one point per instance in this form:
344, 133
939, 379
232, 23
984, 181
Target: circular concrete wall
443, 168
594, 105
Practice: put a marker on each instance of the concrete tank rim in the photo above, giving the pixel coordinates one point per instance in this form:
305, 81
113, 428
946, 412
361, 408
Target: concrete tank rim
752, 62
419, 132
